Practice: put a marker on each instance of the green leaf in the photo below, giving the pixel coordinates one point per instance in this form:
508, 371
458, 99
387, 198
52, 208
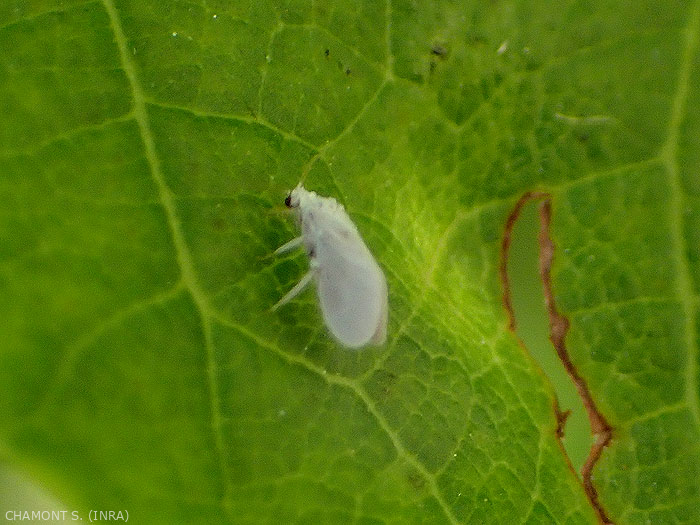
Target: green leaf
146, 149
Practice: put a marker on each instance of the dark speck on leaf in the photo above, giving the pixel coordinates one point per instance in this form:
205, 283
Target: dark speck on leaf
327, 53
218, 224
347, 71
439, 50
416, 480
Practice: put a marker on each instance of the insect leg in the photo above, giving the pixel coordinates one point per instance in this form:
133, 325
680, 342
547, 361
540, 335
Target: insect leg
291, 294
289, 246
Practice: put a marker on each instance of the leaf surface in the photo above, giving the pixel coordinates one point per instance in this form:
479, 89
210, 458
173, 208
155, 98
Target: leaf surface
146, 149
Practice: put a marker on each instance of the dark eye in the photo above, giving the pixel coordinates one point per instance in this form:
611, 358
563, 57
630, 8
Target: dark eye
288, 201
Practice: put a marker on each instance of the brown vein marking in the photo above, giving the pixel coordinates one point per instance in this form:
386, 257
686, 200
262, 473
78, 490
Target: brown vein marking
562, 417
505, 249
558, 326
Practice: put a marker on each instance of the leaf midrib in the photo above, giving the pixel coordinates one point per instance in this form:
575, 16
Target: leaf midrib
184, 260
669, 155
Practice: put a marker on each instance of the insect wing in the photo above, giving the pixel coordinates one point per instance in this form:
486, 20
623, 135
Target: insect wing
351, 289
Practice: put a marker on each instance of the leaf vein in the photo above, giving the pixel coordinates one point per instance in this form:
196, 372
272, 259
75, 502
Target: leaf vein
387, 36
77, 347
66, 135
263, 77
322, 150
235, 118
669, 155
183, 256
57, 11
362, 394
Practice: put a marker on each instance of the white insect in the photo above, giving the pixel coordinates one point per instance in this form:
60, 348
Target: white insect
351, 286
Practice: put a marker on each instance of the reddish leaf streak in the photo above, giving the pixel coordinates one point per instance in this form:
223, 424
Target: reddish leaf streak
559, 326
